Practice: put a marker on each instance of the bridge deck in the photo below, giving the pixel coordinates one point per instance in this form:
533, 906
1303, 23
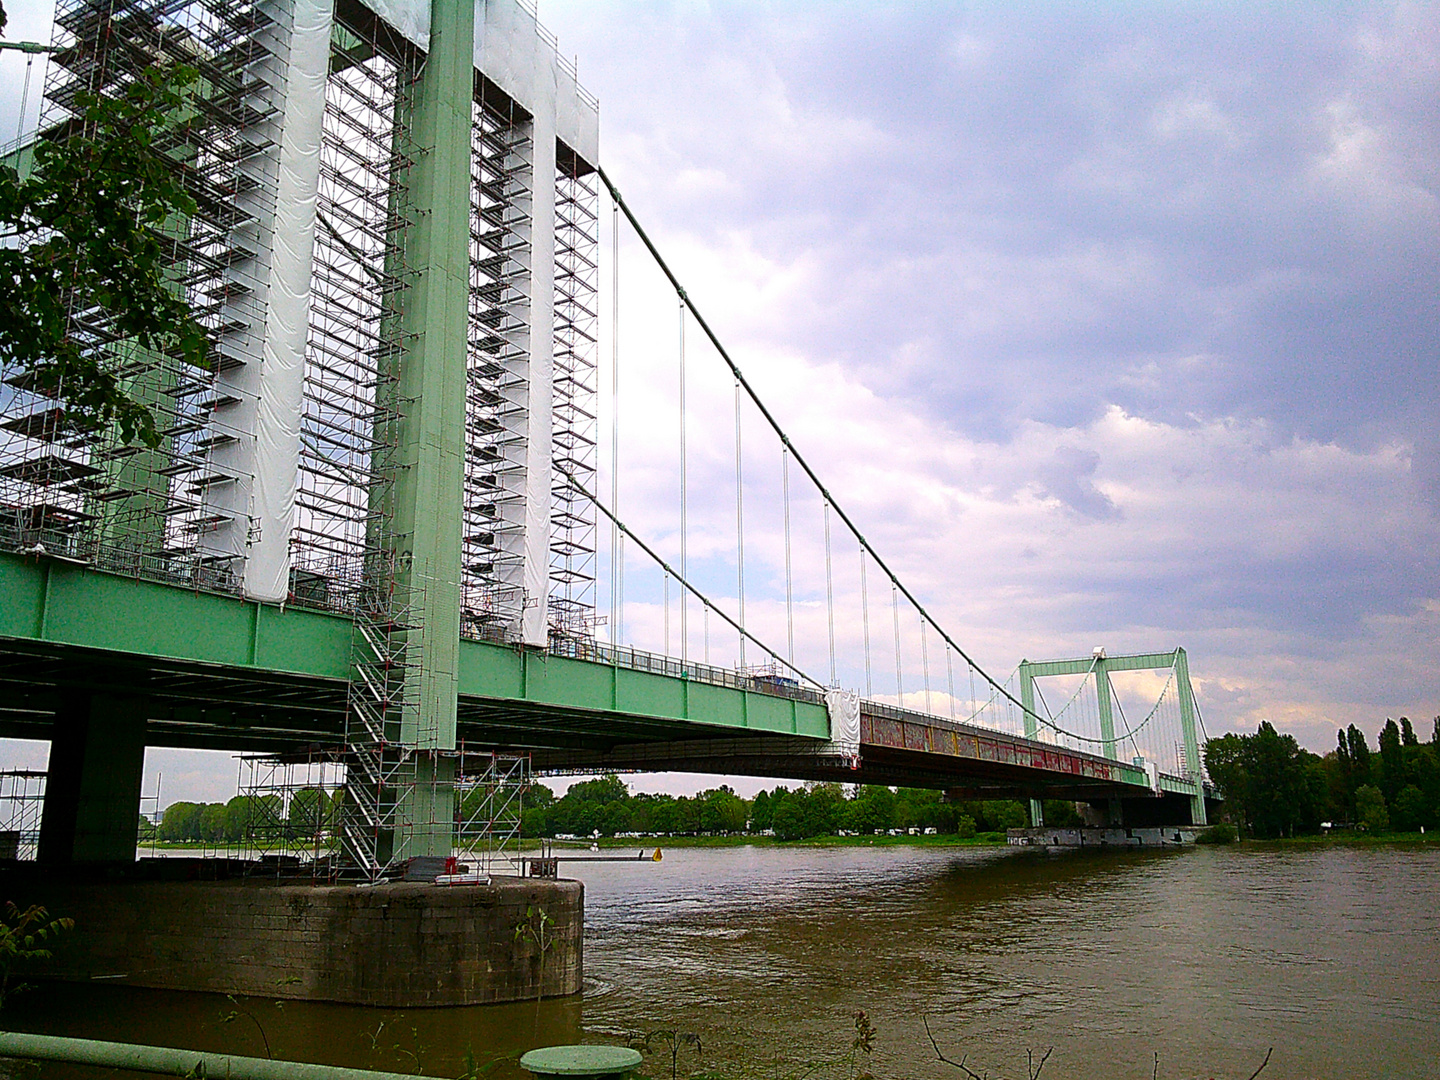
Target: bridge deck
223, 673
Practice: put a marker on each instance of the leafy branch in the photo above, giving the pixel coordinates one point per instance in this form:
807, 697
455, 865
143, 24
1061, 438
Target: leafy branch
91, 235
24, 935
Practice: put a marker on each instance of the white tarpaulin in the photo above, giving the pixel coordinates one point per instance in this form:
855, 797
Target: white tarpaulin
410, 17
514, 54
844, 709
282, 367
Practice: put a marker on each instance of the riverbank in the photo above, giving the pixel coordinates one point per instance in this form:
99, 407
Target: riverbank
629, 843
1347, 839
991, 839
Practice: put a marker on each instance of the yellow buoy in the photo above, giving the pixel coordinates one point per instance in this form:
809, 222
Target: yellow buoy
657, 856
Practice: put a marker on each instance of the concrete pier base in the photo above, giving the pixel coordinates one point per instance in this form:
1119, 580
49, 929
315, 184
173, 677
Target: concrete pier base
1169, 836
401, 945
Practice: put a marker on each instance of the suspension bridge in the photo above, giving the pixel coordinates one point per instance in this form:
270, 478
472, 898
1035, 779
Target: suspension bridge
451, 487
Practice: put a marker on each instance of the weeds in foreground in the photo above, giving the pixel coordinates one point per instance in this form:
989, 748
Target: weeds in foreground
23, 937
668, 1038
1033, 1067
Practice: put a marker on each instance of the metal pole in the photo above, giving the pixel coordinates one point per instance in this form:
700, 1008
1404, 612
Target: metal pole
168, 1061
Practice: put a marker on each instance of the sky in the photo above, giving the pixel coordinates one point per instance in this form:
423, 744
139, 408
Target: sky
1110, 324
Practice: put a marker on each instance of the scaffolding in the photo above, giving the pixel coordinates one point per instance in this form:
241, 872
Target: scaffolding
341, 539
184, 511
294, 806
577, 288
497, 402
490, 790
291, 810
22, 800
168, 512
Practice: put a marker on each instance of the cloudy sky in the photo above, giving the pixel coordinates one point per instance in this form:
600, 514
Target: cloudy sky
1112, 324
1115, 324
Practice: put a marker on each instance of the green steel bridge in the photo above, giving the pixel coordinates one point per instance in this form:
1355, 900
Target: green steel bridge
375, 525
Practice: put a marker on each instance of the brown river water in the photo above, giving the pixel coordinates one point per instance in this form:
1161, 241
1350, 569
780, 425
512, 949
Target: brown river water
1207, 958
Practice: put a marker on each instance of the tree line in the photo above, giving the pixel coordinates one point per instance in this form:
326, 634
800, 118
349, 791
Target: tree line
605, 806
1273, 787
311, 812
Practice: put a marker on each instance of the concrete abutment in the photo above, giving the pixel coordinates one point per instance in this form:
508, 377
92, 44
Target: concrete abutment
399, 945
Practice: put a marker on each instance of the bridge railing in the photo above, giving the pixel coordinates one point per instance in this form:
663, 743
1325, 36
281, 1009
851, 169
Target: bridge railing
625, 656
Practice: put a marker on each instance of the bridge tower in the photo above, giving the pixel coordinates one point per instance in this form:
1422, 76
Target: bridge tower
395, 251
1099, 667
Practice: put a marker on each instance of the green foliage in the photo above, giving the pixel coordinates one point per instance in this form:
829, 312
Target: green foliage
24, 937
85, 232
604, 806
1392, 761
1222, 833
1410, 810
1371, 814
1272, 788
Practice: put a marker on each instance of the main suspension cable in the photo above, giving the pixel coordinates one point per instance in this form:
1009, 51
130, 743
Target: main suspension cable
684, 584
742, 382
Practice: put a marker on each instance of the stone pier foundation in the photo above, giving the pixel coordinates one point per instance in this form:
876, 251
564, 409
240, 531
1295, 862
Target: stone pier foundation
401, 945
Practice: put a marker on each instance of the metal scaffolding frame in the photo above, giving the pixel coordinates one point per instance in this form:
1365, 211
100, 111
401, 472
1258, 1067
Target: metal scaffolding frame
162, 513
577, 304
22, 800
497, 386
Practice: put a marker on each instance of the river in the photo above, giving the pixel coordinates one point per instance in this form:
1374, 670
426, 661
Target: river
1205, 957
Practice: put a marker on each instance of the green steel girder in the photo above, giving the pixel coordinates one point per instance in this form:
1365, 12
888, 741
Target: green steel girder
220, 662
1135, 662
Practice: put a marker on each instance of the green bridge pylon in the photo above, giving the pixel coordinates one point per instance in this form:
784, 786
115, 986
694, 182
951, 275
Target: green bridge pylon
1100, 666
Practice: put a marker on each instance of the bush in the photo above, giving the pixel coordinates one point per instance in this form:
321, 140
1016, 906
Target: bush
1370, 809
1223, 833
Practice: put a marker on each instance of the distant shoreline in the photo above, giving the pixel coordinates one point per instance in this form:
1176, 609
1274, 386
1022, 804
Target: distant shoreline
981, 840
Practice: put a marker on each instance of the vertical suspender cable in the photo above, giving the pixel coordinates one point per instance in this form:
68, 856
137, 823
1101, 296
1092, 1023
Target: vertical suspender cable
865, 621
617, 542
684, 570
739, 520
665, 599
895, 614
925, 663
830, 596
789, 586
950, 681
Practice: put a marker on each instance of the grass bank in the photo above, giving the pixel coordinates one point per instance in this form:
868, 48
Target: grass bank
742, 840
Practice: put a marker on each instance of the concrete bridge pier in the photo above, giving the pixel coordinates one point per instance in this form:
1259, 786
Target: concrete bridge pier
92, 789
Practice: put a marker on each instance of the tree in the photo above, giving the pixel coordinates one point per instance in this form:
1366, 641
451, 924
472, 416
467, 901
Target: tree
1370, 809
872, 809
180, 822
1359, 758
1392, 761
1271, 786
84, 233
1410, 810
1407, 733
761, 812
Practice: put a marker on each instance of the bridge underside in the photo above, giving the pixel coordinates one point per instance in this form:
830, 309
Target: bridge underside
215, 707
104, 666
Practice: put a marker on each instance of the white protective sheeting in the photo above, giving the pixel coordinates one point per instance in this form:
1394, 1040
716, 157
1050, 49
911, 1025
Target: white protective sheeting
282, 369
410, 17
844, 709
517, 57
